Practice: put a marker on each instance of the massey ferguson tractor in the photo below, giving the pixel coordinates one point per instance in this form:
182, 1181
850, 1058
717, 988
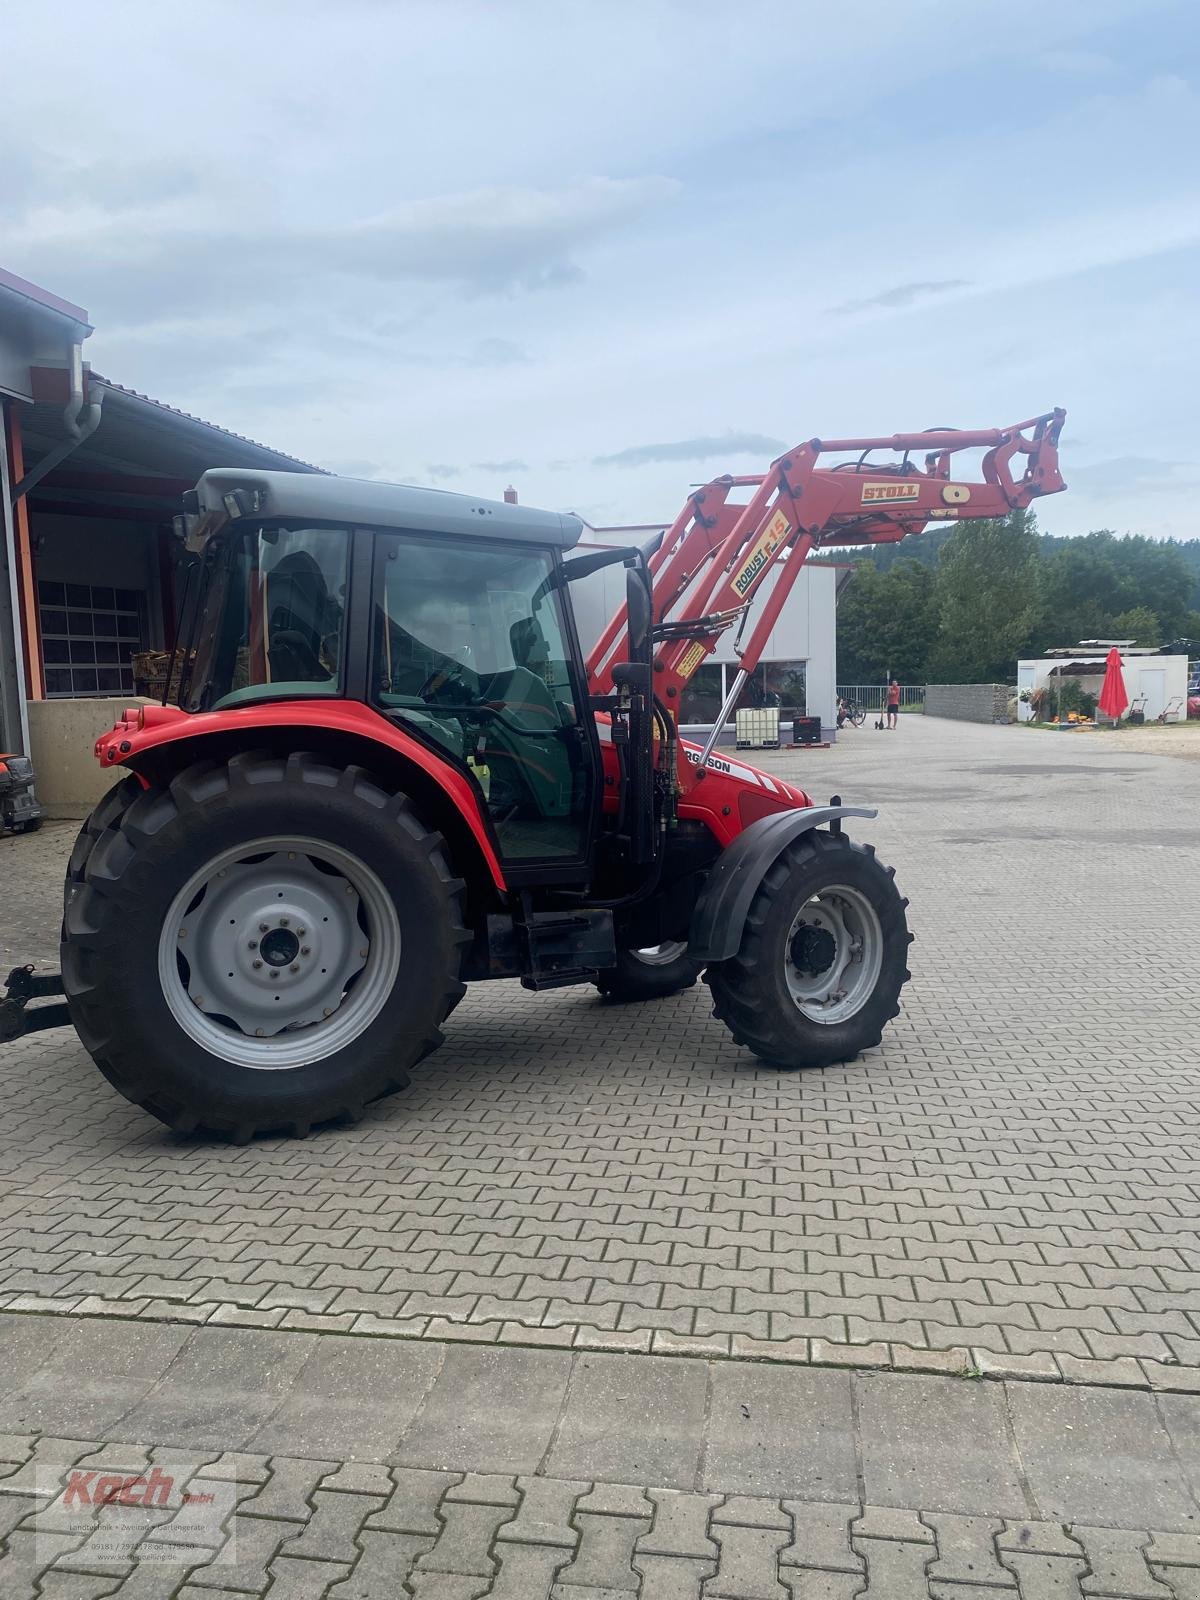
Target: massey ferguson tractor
392, 771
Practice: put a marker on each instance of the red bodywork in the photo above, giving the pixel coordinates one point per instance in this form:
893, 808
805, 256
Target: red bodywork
706, 574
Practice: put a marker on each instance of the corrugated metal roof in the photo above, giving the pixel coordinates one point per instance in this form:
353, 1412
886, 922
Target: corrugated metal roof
188, 416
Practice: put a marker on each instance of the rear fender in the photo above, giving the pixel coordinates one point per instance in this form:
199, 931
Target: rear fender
720, 916
155, 741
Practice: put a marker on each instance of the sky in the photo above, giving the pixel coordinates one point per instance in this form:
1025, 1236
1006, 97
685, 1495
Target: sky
606, 251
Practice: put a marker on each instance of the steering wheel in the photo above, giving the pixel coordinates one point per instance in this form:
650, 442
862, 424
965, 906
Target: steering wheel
296, 647
440, 676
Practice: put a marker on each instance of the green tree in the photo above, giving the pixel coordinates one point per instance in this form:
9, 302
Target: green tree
987, 598
1139, 623
886, 623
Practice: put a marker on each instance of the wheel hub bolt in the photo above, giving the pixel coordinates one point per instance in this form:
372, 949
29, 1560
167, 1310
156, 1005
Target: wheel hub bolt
300, 933
254, 944
264, 927
274, 972
293, 969
256, 965
306, 950
283, 922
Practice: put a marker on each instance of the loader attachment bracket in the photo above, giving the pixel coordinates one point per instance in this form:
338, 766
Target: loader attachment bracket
20, 987
720, 916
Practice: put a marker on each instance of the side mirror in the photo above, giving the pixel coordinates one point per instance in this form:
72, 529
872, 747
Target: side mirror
639, 611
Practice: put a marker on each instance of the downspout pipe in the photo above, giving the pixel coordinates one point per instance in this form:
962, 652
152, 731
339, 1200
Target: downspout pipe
80, 421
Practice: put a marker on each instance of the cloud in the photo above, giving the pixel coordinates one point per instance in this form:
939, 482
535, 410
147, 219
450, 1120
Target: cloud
497, 353
1140, 474
500, 466
900, 296
701, 448
151, 259
439, 470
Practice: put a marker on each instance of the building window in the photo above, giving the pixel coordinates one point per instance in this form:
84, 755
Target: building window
772, 683
703, 694
89, 634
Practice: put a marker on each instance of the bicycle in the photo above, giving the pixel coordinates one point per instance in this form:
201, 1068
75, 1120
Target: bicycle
854, 714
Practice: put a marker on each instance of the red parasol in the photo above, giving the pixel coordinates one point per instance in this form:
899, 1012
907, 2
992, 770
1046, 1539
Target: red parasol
1113, 698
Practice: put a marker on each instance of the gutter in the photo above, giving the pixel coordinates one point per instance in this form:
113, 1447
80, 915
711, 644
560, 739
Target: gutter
80, 420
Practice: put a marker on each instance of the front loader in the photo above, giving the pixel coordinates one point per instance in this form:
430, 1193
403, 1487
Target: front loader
393, 772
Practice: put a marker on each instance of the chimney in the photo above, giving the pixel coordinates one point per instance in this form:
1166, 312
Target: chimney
510, 496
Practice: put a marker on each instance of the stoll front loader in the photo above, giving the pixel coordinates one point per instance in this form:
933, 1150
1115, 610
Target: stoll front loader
393, 772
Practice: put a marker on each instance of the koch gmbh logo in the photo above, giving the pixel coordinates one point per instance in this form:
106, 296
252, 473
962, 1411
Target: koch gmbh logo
135, 1511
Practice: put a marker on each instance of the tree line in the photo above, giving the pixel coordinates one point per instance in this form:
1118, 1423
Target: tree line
961, 604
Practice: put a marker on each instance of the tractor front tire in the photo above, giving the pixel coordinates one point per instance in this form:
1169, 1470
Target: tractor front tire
261, 945
650, 974
823, 957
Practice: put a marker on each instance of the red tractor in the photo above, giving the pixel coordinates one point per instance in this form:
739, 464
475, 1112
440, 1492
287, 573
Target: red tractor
393, 772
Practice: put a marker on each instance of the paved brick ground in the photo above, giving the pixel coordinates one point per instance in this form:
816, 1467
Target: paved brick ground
360, 1469
1011, 1180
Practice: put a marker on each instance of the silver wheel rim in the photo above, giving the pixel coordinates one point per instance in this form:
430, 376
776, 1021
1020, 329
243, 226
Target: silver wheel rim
834, 954
279, 952
660, 955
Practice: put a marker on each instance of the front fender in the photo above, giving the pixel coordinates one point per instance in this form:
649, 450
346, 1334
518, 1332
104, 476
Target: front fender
720, 915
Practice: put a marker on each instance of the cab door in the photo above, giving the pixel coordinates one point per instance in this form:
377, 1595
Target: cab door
475, 653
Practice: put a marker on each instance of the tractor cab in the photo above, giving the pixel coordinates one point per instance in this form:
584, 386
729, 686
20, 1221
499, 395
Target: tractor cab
448, 621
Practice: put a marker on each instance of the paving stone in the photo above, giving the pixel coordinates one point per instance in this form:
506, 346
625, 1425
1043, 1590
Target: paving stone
966, 1549
464, 1544
220, 1389
301, 1580
414, 1502
1045, 1577
490, 1410
47, 1452
617, 1500
330, 1533
750, 1511
631, 1419
1099, 1456
386, 1563
544, 1516
93, 1374
527, 1572
821, 1537
780, 1430
288, 1492
1119, 1566
256, 1542
603, 1559
485, 1489
447, 1586
815, 1585
672, 1577
896, 1569
1039, 1538
352, 1397
938, 1443
360, 1477
749, 1564
680, 1526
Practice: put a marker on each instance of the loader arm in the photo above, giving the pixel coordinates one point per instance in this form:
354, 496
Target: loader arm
715, 557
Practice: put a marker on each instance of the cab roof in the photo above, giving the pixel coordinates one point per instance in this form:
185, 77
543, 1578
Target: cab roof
306, 497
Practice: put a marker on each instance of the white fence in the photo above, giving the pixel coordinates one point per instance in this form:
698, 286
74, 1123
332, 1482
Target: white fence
871, 696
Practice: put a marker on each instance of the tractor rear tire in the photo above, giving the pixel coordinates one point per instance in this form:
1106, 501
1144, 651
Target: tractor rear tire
216, 856
651, 974
826, 921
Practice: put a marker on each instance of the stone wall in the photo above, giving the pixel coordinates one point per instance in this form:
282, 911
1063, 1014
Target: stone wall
968, 702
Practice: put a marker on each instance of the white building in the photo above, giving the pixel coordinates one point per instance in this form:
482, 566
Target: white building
798, 670
1154, 683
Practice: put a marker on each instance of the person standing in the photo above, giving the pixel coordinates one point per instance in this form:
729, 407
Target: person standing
893, 704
